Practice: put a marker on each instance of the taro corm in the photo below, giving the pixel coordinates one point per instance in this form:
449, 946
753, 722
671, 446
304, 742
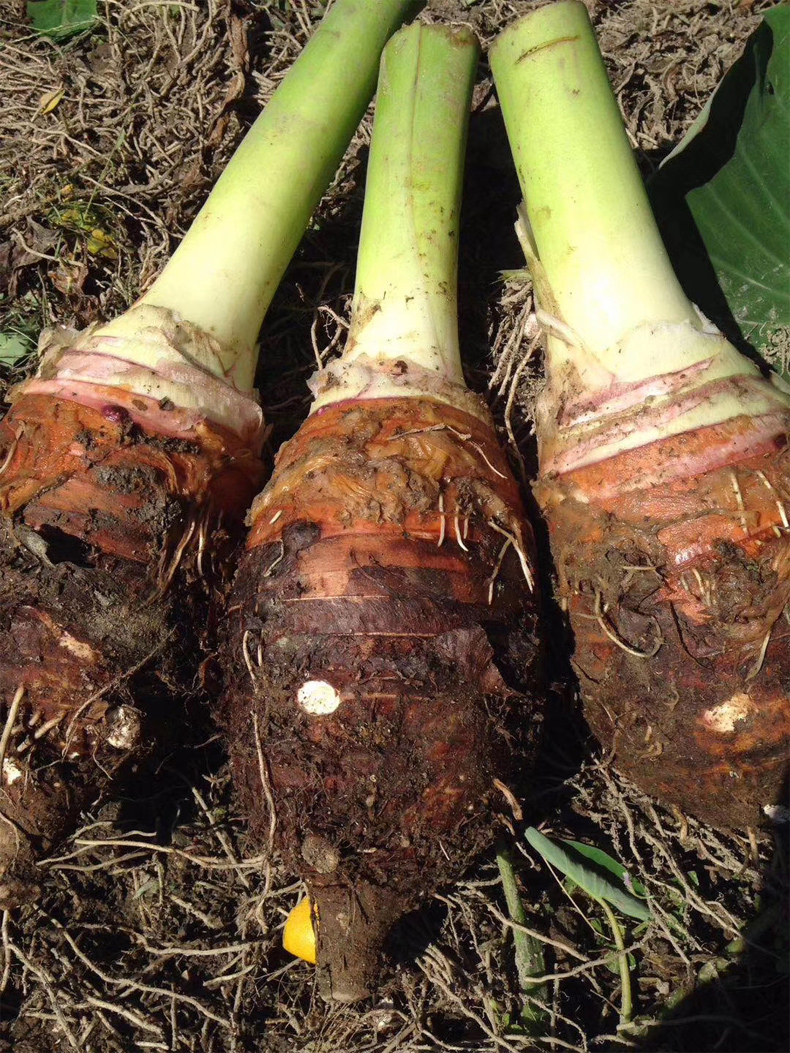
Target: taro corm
664, 467
385, 607
128, 462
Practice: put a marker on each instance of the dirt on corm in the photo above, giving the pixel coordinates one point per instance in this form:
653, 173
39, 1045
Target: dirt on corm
98, 590
652, 634
347, 593
158, 923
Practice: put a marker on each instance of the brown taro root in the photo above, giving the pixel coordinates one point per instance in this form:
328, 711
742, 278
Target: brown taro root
127, 463
664, 464
384, 570
105, 575
674, 565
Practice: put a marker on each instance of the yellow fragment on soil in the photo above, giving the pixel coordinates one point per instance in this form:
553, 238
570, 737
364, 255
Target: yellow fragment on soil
50, 100
298, 934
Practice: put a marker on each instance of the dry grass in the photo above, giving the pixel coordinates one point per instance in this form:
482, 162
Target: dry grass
158, 927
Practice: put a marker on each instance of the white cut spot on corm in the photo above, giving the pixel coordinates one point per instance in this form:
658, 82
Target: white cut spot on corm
125, 728
777, 813
723, 717
11, 771
82, 650
318, 698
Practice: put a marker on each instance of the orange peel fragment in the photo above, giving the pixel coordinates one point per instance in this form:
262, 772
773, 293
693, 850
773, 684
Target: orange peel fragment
299, 936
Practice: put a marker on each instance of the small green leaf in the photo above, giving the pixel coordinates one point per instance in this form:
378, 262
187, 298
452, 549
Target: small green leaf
599, 884
712, 970
61, 19
596, 923
13, 348
612, 963
723, 196
601, 859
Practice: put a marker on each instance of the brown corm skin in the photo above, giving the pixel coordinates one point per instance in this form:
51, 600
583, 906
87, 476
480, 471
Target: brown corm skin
110, 545
677, 586
383, 564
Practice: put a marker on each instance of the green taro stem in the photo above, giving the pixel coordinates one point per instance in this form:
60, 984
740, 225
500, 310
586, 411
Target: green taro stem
626, 999
598, 244
224, 274
530, 961
405, 300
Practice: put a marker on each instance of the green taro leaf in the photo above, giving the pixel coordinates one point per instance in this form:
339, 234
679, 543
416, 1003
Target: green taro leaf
61, 19
730, 179
13, 348
598, 883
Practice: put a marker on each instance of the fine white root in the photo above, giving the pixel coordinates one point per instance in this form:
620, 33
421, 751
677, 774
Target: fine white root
556, 327
278, 560
505, 359
463, 436
736, 487
705, 587
202, 540
510, 797
613, 636
758, 664
10, 720
248, 659
511, 398
481, 451
6, 951
40, 732
13, 709
518, 545
442, 523
458, 538
497, 568
779, 505
266, 785
167, 577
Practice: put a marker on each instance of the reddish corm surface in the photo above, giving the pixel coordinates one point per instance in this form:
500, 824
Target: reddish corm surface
380, 635
110, 544
674, 566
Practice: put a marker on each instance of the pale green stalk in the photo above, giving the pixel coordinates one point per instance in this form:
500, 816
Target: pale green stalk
530, 960
404, 331
596, 236
224, 273
626, 998
616, 318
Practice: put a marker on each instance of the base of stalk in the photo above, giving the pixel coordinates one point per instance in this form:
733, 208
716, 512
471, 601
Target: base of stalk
382, 631
353, 924
164, 372
676, 592
592, 410
352, 378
